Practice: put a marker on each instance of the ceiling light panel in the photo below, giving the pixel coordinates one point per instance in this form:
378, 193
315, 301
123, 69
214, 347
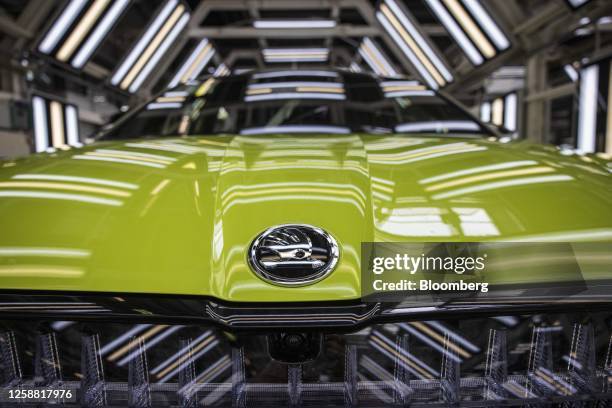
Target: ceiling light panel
56, 124
472, 27
422, 55
149, 49
80, 28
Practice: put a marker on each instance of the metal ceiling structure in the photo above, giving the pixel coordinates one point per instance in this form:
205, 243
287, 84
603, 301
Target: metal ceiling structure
120, 52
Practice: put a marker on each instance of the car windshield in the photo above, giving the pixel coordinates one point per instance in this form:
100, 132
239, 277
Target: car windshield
297, 102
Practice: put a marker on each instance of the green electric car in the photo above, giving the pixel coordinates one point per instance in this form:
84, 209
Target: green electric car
208, 250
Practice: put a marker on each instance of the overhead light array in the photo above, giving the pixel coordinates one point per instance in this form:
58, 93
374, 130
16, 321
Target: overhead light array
472, 28
375, 58
403, 30
56, 124
292, 24
594, 115
295, 90
194, 64
295, 54
501, 111
169, 100
152, 45
80, 28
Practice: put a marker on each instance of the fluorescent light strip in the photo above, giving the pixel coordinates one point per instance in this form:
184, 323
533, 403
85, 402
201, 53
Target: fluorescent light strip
510, 111
354, 67
296, 84
464, 42
297, 59
400, 83
188, 63
99, 33
295, 129
571, 72
373, 51
398, 94
436, 125
200, 63
60, 26
294, 23
160, 52
485, 112
293, 95
487, 24
152, 47
497, 107
407, 51
420, 40
72, 126
277, 74
471, 28
80, 31
221, 70
57, 124
41, 131
303, 51
587, 119
164, 105
143, 42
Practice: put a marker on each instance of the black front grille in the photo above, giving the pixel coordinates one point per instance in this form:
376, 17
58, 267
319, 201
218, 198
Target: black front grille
562, 359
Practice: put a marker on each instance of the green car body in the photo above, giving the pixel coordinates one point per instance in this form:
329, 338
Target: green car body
176, 215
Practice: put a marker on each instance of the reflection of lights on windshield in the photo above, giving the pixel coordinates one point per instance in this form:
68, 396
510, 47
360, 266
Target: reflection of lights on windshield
437, 126
297, 73
295, 129
502, 184
294, 95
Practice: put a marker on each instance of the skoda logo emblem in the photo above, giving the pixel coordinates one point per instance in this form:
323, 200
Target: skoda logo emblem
293, 254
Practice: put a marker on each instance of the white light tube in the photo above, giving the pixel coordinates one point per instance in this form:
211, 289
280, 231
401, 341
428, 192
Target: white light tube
72, 126
487, 23
143, 42
294, 24
194, 54
159, 53
407, 51
429, 52
457, 33
587, 119
41, 131
510, 111
99, 33
61, 25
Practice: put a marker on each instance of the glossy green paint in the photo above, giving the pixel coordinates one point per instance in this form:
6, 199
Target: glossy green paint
176, 216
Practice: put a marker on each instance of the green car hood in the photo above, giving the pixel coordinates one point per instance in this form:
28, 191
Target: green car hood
176, 216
